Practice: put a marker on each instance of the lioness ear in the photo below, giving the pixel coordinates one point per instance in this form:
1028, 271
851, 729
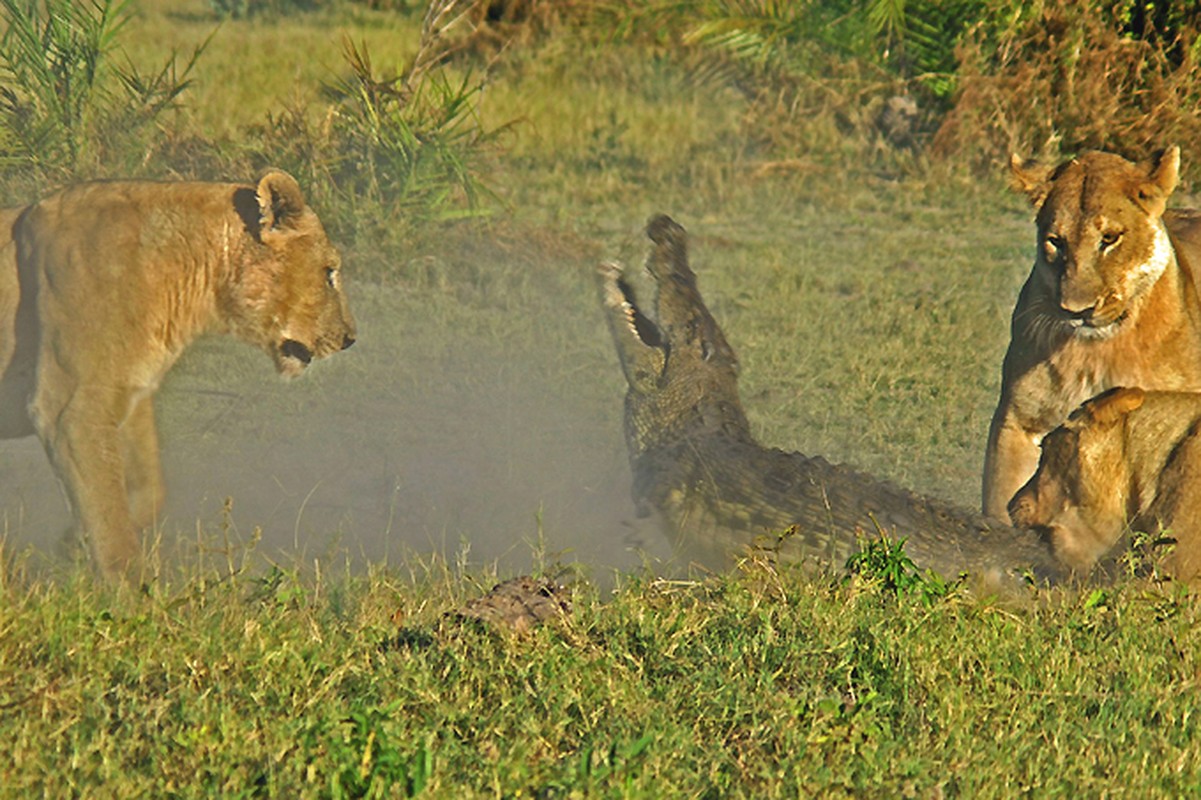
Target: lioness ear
1031, 178
1112, 406
280, 200
1162, 176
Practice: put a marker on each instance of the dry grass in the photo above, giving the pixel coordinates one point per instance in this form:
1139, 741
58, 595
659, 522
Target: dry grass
1062, 79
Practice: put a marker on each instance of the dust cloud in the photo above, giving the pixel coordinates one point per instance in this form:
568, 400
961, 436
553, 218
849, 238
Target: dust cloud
447, 442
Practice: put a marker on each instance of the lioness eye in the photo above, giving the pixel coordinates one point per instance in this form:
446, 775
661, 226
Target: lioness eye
1108, 240
1054, 246
331, 277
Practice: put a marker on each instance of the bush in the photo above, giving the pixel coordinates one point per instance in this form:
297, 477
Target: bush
884, 562
398, 150
66, 107
1058, 77
974, 79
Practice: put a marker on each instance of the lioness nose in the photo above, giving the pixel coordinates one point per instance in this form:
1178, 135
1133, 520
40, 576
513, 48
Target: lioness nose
1021, 508
347, 341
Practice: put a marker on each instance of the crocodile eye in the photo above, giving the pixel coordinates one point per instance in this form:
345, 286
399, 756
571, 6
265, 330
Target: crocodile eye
1108, 240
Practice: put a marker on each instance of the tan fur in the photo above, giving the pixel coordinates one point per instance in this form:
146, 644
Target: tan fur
103, 285
1126, 461
1111, 301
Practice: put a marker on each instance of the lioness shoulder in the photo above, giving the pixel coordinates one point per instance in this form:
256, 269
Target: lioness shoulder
103, 285
1125, 461
1110, 301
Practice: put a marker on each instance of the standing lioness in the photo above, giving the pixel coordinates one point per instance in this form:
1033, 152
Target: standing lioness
1111, 301
103, 285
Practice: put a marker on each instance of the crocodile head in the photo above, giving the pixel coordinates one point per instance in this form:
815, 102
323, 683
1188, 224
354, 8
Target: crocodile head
682, 374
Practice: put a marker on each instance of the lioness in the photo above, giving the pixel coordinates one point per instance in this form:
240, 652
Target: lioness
103, 285
1111, 301
1128, 460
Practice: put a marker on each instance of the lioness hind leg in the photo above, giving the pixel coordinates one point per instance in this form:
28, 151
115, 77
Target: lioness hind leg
143, 469
82, 440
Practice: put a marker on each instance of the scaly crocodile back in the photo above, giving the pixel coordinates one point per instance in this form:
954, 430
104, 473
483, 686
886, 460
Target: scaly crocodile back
721, 497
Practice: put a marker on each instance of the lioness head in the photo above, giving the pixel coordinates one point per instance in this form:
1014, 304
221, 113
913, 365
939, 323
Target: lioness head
1101, 241
289, 297
1080, 495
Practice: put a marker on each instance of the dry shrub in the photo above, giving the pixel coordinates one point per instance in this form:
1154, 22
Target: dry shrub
1064, 77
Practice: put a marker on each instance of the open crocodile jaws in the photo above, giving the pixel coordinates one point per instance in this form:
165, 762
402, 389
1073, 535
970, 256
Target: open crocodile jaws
718, 493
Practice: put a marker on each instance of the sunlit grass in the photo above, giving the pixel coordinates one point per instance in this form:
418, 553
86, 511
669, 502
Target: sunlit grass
259, 66
475, 431
762, 684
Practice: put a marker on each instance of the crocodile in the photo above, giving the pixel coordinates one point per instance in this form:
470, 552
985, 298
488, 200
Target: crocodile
719, 494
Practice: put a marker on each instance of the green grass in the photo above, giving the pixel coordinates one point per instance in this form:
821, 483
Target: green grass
259, 66
761, 684
475, 430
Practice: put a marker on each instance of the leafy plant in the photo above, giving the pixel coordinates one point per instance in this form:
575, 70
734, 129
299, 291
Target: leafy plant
884, 561
1144, 553
821, 75
396, 150
408, 143
789, 42
51, 59
60, 87
368, 763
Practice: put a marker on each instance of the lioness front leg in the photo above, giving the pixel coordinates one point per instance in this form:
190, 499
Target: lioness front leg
143, 469
82, 439
1010, 459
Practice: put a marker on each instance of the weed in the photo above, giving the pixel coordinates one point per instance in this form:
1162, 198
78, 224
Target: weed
1144, 553
394, 151
368, 761
406, 143
883, 561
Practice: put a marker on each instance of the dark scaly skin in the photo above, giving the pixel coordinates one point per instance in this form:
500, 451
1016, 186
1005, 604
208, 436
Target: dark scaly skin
719, 493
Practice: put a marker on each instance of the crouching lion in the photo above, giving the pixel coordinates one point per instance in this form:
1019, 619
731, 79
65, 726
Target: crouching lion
104, 284
1128, 460
1110, 301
